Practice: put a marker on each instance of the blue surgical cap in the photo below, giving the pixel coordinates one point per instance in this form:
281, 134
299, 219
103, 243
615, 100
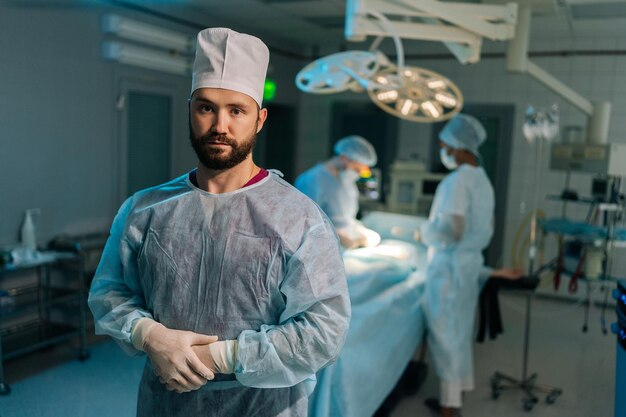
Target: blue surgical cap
463, 132
356, 148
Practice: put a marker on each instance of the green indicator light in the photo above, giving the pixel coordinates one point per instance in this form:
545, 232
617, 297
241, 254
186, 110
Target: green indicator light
269, 90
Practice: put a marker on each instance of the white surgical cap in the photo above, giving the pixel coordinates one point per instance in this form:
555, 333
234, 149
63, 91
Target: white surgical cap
358, 149
230, 60
463, 132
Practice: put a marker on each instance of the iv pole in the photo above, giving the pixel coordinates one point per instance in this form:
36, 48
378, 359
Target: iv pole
528, 383
598, 114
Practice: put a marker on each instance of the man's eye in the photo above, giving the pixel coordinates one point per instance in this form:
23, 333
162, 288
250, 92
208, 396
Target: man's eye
205, 108
236, 112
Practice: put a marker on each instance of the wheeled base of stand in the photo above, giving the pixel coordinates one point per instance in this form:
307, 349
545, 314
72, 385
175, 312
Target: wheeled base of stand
529, 386
5, 389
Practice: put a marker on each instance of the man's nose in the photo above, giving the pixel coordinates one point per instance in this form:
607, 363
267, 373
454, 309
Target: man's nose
221, 123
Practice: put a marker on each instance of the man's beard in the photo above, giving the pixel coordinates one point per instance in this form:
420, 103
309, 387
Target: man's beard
220, 158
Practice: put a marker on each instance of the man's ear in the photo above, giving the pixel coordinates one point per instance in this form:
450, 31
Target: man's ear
261, 119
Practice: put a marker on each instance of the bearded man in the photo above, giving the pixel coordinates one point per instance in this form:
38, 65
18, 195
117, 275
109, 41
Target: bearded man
228, 278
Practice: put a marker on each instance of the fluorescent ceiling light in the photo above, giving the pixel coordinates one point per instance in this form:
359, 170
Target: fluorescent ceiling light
149, 34
146, 58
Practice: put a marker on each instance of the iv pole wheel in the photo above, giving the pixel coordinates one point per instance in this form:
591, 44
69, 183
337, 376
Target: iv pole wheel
496, 388
83, 355
416, 94
529, 403
331, 74
553, 396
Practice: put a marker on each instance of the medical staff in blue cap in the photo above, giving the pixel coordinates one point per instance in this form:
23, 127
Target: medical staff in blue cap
332, 185
228, 278
459, 227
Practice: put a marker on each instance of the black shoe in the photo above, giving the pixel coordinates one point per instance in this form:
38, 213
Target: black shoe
413, 378
433, 405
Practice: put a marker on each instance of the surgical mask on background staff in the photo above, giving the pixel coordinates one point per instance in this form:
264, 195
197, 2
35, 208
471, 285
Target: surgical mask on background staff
349, 175
447, 160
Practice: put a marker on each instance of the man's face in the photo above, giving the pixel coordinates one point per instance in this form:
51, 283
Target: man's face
356, 166
223, 125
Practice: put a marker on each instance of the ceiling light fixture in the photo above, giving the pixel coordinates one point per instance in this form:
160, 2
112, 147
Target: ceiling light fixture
410, 93
149, 34
146, 58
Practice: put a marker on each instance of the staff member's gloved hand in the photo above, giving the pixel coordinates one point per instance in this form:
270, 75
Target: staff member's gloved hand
171, 354
220, 357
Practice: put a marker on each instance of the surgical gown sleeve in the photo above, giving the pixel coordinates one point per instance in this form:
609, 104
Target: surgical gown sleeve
313, 325
115, 298
340, 202
446, 223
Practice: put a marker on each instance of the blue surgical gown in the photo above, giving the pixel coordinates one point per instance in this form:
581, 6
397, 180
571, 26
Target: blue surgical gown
261, 265
337, 197
453, 269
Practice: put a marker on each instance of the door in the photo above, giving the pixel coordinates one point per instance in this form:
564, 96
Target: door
148, 147
275, 147
145, 132
495, 154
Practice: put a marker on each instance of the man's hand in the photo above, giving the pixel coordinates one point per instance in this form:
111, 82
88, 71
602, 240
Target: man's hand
174, 361
345, 240
204, 354
508, 273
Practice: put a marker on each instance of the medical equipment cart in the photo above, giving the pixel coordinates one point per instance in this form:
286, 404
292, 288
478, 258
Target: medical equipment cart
36, 311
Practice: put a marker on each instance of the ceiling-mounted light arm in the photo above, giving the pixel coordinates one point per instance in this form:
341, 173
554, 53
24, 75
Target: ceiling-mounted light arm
465, 53
517, 61
360, 24
490, 21
386, 24
463, 37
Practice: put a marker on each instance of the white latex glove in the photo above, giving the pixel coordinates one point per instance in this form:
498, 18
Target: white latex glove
171, 354
346, 239
220, 357
368, 238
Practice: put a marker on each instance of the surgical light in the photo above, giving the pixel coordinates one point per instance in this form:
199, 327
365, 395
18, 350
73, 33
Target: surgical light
423, 96
382, 80
447, 100
387, 96
436, 84
410, 93
339, 72
431, 109
407, 107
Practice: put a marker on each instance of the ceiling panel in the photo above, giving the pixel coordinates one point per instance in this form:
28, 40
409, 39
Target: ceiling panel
599, 10
310, 8
302, 24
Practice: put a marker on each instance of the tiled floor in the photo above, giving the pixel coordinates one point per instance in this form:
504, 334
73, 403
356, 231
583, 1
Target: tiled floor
583, 365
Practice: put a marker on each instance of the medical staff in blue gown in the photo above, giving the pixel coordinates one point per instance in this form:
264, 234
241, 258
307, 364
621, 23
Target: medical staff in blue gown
332, 185
459, 227
228, 278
